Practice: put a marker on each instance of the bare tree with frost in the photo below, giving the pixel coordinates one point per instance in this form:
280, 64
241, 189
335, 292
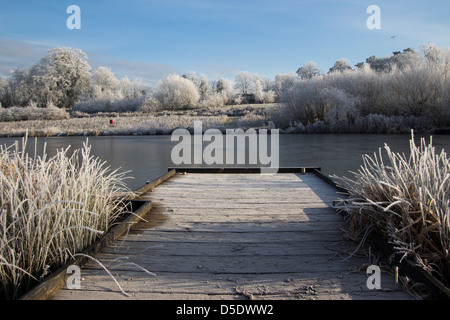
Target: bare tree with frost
244, 82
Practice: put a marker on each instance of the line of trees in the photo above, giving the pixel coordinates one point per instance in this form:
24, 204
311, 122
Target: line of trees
404, 90
64, 79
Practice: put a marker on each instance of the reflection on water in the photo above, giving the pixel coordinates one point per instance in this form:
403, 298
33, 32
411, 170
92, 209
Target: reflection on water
148, 157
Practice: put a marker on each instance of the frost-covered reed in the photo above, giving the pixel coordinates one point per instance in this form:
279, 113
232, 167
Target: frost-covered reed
50, 209
407, 201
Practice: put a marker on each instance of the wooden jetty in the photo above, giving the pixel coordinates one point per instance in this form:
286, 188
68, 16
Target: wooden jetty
233, 234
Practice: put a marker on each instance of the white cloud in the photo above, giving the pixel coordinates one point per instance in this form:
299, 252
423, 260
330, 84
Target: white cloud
19, 54
145, 71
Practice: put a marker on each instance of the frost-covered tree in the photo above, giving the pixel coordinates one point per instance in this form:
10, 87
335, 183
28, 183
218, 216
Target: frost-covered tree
244, 82
341, 109
126, 88
341, 65
259, 93
21, 88
203, 87
267, 84
61, 77
269, 96
175, 92
5, 93
228, 92
139, 88
105, 79
283, 82
419, 90
405, 59
303, 101
380, 64
438, 58
105, 85
223, 85
398, 60
308, 71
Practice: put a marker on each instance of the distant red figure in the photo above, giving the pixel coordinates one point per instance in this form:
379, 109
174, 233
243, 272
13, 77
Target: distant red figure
111, 122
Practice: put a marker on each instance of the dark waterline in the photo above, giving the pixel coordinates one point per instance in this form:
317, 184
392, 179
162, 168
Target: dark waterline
148, 157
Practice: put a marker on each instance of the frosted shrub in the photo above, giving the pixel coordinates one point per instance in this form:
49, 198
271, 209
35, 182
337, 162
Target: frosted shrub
97, 106
418, 91
308, 101
230, 94
214, 101
407, 201
176, 93
370, 87
105, 85
269, 96
150, 104
303, 100
279, 115
32, 112
252, 120
341, 108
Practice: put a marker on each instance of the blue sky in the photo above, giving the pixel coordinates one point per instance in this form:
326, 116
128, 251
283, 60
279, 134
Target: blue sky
148, 39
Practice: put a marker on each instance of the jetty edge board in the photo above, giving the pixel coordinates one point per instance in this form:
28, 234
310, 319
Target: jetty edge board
254, 170
57, 279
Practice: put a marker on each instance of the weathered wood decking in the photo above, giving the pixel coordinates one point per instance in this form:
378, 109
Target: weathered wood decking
234, 236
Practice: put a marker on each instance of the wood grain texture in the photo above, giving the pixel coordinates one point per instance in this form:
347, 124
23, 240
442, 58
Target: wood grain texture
234, 236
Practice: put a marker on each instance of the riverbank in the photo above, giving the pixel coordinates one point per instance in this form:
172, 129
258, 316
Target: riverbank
136, 123
269, 116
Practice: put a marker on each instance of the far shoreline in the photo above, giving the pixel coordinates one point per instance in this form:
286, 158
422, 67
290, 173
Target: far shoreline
163, 123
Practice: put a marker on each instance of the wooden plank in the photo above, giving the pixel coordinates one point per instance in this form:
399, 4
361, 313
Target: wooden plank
301, 294
239, 227
228, 236
320, 264
135, 282
202, 248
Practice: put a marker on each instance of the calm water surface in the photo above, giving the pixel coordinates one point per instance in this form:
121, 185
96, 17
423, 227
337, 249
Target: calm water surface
148, 157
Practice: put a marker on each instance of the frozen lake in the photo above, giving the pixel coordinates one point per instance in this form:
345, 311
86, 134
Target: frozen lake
148, 157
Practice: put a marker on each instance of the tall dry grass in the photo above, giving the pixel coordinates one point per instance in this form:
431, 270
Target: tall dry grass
407, 201
50, 209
